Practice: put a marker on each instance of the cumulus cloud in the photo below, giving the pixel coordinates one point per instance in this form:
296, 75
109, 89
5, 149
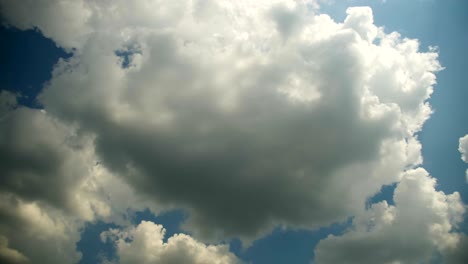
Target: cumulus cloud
419, 224
247, 114
38, 187
37, 232
87, 17
36, 156
50, 185
39, 152
144, 244
40, 173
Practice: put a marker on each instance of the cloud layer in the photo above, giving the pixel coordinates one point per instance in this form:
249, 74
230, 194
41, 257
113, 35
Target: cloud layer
247, 114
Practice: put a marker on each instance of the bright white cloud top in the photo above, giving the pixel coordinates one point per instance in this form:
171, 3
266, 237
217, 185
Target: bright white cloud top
420, 222
144, 244
246, 114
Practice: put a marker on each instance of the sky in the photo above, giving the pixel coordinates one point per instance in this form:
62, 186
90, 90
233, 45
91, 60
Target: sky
269, 131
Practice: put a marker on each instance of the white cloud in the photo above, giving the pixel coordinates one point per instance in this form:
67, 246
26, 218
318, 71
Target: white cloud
262, 107
85, 18
144, 244
248, 114
420, 223
463, 148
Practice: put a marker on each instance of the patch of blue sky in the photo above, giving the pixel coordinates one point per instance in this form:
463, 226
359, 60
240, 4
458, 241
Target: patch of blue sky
286, 245
94, 250
27, 58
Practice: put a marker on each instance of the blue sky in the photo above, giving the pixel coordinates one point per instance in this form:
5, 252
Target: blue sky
28, 58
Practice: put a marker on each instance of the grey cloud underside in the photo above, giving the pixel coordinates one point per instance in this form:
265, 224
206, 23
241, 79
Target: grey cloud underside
32, 157
40, 173
10, 256
267, 162
459, 255
50, 185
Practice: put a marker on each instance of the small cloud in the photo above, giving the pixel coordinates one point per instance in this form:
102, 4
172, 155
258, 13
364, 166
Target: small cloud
463, 148
144, 244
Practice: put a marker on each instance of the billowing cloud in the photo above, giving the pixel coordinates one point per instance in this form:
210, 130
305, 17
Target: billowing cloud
37, 233
144, 244
40, 153
51, 183
36, 156
419, 224
39, 175
87, 17
246, 114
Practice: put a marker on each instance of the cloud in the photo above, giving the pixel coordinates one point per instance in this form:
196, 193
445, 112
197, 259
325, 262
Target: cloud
463, 148
87, 17
48, 16
144, 244
246, 114
36, 156
7, 102
37, 232
51, 183
8, 255
458, 255
41, 171
421, 222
